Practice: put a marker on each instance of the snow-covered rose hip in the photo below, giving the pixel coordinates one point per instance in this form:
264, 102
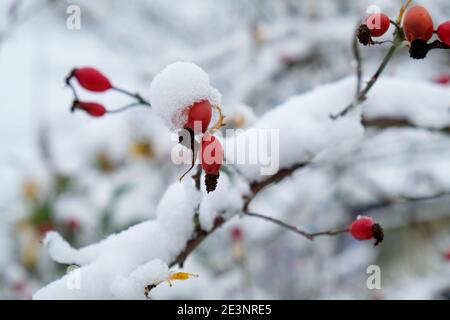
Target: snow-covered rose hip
365, 228
443, 32
418, 28
198, 116
211, 158
91, 79
182, 94
378, 24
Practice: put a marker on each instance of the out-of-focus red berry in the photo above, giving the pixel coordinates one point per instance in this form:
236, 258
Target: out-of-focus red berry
442, 79
378, 24
418, 24
443, 32
92, 108
361, 228
236, 234
91, 79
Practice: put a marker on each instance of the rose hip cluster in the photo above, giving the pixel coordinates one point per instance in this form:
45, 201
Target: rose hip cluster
93, 80
210, 151
198, 117
416, 27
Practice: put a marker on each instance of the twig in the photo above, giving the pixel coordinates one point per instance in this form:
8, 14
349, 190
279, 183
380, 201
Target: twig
385, 122
399, 37
199, 235
308, 235
280, 223
357, 57
128, 106
137, 96
361, 96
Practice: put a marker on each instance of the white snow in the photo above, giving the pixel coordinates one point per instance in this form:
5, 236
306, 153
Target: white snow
178, 86
117, 264
105, 265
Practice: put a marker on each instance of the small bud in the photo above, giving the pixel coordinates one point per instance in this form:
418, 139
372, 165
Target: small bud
91, 79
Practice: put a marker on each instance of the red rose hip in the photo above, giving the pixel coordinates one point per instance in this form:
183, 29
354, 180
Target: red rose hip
378, 24
92, 108
91, 79
443, 32
365, 228
418, 24
211, 156
198, 114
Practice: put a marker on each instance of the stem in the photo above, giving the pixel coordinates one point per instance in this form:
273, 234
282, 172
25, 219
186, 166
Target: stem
137, 96
361, 96
128, 106
309, 236
357, 57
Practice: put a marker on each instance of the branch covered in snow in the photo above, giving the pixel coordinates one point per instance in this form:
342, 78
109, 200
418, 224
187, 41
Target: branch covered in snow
123, 264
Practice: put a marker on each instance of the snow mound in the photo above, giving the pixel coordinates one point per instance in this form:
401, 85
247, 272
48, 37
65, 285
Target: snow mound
115, 267
177, 86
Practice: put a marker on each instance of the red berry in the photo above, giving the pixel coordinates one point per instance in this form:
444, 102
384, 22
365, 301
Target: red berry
73, 224
211, 153
200, 113
447, 255
92, 108
365, 228
443, 32
44, 227
443, 79
211, 159
361, 228
236, 234
418, 24
378, 24
92, 79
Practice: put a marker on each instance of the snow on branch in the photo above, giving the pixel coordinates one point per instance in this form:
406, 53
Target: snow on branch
123, 264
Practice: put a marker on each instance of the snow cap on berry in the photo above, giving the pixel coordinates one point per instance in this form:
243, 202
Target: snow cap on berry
177, 87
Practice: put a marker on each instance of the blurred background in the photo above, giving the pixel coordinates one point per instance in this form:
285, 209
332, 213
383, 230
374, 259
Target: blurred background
88, 178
